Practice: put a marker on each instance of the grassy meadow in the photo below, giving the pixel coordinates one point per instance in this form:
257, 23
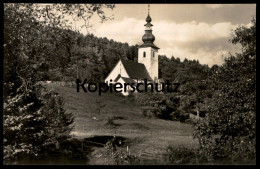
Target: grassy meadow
146, 137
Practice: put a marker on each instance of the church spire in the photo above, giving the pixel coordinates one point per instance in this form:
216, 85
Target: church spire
148, 20
148, 52
148, 38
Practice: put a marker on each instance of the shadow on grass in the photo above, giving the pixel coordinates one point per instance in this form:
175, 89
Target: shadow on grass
111, 121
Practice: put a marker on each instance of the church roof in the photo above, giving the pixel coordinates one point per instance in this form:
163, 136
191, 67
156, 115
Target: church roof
117, 78
125, 79
128, 80
148, 45
136, 70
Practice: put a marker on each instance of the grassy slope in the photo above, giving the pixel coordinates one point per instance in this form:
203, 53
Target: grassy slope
143, 134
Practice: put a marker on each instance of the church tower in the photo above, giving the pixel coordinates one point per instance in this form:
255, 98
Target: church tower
148, 52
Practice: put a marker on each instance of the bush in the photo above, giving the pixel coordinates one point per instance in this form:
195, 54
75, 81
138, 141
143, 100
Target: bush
120, 157
180, 115
34, 122
125, 158
70, 151
183, 117
181, 155
159, 105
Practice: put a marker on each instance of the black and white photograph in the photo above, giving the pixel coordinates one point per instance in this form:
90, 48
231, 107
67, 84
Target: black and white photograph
129, 84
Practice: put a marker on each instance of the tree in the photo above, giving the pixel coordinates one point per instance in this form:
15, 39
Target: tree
34, 118
193, 78
230, 129
152, 103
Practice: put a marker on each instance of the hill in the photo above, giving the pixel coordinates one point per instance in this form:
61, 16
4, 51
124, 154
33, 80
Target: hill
122, 117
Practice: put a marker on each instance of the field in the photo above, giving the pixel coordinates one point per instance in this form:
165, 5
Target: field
145, 137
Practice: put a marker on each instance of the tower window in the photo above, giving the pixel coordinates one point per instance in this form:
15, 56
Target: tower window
153, 54
144, 54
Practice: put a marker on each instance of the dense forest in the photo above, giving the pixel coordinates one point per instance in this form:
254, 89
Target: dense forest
34, 51
68, 54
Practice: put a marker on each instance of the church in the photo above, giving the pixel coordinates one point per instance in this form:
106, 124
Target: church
127, 71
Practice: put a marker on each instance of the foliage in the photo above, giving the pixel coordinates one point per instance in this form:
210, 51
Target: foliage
70, 151
33, 122
180, 155
93, 58
230, 129
120, 157
125, 158
194, 83
183, 155
151, 103
195, 90
64, 15
48, 32
34, 118
161, 105
53, 40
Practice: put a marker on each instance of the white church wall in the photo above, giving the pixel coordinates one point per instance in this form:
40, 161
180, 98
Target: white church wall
118, 69
128, 88
150, 61
154, 65
145, 60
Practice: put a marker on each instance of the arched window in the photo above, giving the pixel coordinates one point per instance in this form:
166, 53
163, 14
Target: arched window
144, 54
153, 54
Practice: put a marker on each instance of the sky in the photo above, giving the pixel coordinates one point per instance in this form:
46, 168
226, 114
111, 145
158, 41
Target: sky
192, 31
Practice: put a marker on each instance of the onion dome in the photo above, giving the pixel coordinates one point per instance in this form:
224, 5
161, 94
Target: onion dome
148, 37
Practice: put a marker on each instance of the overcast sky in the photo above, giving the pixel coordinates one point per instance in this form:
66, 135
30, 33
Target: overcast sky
192, 31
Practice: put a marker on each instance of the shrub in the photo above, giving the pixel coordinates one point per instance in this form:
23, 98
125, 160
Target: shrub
120, 157
34, 122
125, 158
183, 155
183, 117
159, 105
180, 155
70, 151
